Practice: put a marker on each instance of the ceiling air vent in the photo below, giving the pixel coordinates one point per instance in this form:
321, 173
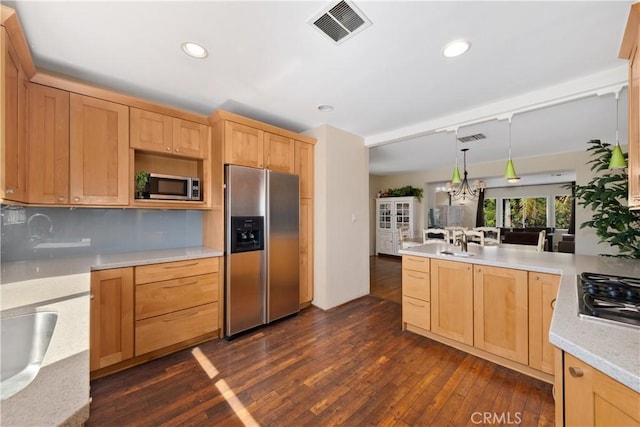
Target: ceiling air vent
340, 21
470, 138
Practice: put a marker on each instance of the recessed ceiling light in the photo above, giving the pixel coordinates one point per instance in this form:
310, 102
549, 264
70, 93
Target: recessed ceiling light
456, 48
194, 49
325, 108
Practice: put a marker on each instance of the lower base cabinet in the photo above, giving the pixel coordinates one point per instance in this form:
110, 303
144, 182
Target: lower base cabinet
591, 398
111, 330
139, 313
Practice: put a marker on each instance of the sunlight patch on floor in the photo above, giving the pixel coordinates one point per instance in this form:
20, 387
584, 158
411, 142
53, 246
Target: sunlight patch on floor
238, 408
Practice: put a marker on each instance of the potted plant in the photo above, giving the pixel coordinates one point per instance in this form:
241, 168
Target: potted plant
606, 194
142, 178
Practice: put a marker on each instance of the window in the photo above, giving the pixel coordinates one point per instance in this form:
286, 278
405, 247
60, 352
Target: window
524, 212
490, 212
563, 205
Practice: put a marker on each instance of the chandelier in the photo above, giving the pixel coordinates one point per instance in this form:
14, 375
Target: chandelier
464, 191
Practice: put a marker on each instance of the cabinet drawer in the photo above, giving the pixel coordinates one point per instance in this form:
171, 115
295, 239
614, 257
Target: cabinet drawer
416, 284
175, 270
162, 331
416, 312
154, 299
415, 263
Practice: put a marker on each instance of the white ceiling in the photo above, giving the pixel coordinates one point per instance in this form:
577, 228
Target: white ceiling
389, 83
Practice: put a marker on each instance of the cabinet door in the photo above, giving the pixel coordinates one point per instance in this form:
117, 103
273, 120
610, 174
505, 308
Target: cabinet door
243, 145
591, 398
190, 139
543, 289
111, 327
634, 129
501, 312
304, 164
384, 242
48, 145
279, 153
13, 135
452, 300
306, 251
99, 152
384, 215
151, 131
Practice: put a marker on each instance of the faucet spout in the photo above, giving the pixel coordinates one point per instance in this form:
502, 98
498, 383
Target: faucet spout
463, 242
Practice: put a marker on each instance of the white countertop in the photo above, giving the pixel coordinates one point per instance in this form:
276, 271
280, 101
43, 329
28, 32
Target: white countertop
60, 392
613, 349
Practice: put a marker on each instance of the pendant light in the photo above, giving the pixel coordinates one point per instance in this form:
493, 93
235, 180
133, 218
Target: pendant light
455, 179
510, 170
617, 158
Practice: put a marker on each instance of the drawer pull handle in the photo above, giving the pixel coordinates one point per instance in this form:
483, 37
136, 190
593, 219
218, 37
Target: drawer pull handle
180, 266
416, 277
553, 304
415, 305
181, 317
180, 286
576, 372
415, 260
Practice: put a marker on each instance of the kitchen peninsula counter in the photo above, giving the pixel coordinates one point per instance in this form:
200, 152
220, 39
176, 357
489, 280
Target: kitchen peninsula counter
613, 349
59, 395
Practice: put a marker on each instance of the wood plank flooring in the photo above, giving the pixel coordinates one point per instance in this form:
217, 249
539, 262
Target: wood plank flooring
350, 366
385, 274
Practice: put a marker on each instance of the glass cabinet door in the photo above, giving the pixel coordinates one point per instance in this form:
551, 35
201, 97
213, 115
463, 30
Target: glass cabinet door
403, 214
385, 215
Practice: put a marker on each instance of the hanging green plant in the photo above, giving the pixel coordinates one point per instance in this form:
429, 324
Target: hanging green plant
406, 191
606, 196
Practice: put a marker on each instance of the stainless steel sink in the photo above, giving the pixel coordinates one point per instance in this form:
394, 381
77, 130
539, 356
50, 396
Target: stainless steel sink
458, 254
24, 342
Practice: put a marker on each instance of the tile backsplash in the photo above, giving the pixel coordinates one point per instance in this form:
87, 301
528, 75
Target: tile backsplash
36, 233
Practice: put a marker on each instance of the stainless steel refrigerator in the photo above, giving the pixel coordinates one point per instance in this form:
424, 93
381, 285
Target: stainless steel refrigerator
262, 280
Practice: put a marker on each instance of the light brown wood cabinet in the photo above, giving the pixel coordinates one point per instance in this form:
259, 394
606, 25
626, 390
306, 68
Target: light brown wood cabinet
160, 133
416, 293
111, 330
13, 123
243, 145
306, 251
304, 160
48, 145
279, 153
500, 303
99, 152
592, 398
175, 302
452, 300
543, 289
629, 51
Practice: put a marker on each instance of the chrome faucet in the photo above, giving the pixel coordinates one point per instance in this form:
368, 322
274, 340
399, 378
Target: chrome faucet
462, 241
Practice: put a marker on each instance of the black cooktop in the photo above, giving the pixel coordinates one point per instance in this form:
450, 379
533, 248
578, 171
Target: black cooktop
612, 298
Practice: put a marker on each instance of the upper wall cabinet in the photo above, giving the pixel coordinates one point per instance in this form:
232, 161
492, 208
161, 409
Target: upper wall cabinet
48, 145
13, 123
629, 50
155, 132
99, 152
304, 160
243, 145
279, 152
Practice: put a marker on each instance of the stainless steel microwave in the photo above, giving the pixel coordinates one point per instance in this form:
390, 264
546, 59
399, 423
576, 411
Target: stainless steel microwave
171, 187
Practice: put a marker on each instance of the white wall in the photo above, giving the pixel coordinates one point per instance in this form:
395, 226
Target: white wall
341, 252
586, 239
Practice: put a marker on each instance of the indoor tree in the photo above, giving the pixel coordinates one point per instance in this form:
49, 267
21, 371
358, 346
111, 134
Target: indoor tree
606, 195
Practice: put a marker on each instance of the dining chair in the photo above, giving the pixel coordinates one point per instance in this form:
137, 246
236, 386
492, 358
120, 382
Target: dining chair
475, 237
435, 235
491, 235
406, 240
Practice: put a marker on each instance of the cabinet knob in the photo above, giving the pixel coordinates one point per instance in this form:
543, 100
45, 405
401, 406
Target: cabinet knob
91, 296
177, 150
553, 304
168, 148
76, 199
61, 198
576, 372
8, 191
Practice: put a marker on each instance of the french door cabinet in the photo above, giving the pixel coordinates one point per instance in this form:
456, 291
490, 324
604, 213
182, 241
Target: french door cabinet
392, 213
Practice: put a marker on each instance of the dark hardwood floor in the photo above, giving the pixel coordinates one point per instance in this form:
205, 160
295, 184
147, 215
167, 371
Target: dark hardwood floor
385, 274
350, 366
